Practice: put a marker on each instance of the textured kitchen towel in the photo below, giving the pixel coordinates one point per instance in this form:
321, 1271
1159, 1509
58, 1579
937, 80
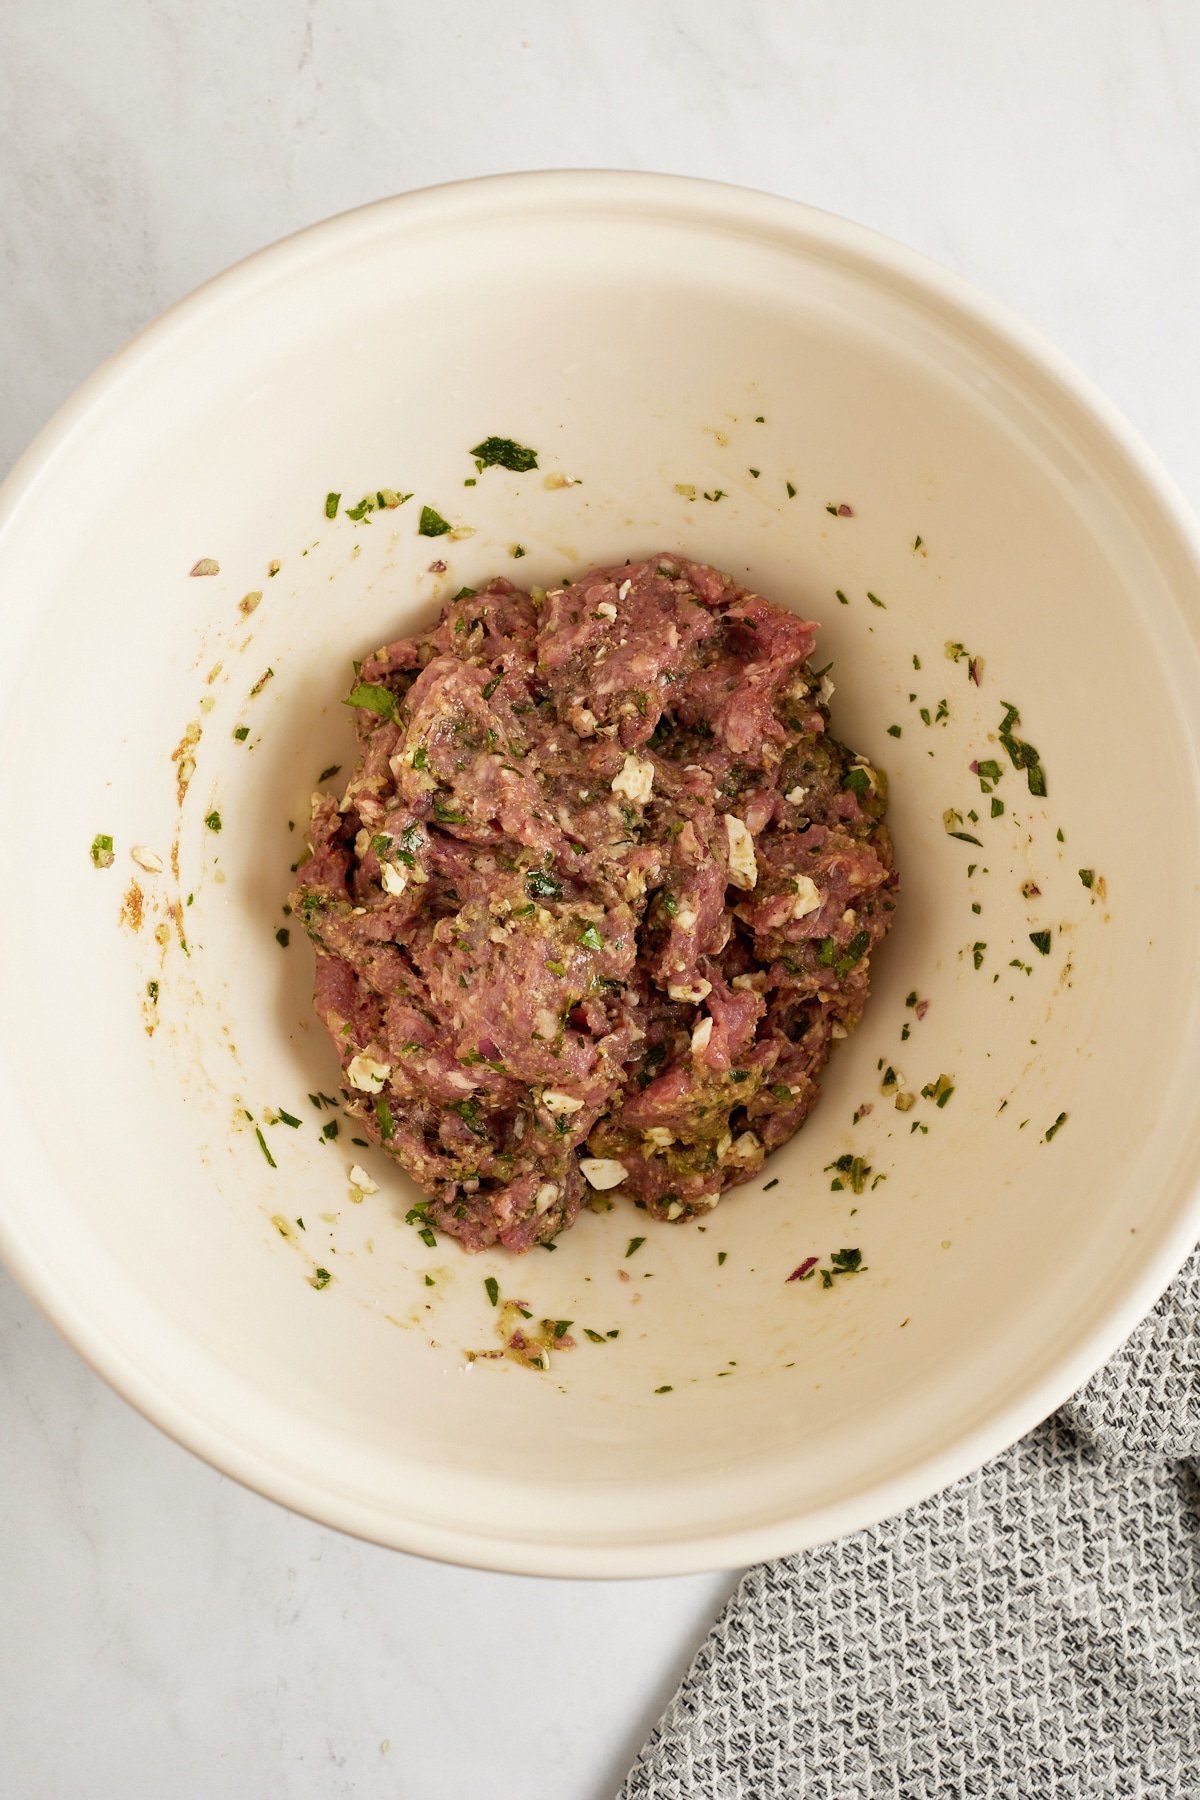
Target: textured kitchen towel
1032, 1632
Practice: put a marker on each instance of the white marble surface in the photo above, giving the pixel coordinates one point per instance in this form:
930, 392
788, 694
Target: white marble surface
165, 1635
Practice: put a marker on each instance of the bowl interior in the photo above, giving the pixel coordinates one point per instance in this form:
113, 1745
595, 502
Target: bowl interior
714, 371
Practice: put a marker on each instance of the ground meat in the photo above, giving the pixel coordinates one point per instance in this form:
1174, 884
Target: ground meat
597, 899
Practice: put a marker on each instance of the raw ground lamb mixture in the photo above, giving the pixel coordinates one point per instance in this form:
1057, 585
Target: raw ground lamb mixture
598, 897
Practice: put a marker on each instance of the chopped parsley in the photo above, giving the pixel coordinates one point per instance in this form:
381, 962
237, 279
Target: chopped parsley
504, 453
634, 1244
383, 1117
492, 1289
541, 884
590, 938
1057, 1126
332, 502
330, 772
471, 1114
321, 1278
241, 733
791, 492
666, 1389
262, 1144
283, 937
372, 696
213, 821
1021, 754
432, 523
330, 1130
1041, 941
102, 851
938, 1091
518, 551
1088, 877
875, 600
287, 1118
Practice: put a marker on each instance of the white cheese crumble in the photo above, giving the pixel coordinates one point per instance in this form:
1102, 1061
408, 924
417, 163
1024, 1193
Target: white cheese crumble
700, 1036
366, 1074
675, 1209
826, 690
747, 1145
362, 843
545, 1197
743, 869
700, 990
623, 590
685, 919
635, 778
147, 859
584, 722
361, 1180
659, 1137
606, 609
602, 1171
560, 1103
394, 880
795, 796
708, 1200
808, 897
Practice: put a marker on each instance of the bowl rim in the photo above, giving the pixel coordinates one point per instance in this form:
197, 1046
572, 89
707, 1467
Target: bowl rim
808, 230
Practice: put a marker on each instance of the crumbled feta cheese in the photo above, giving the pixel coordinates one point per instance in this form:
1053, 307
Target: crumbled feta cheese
743, 869
623, 590
584, 722
635, 778
685, 919
606, 609
602, 1171
147, 859
700, 1035
723, 1143
394, 879
747, 1145
838, 1031
560, 1103
795, 796
545, 1197
462, 1082
849, 917
675, 1209
361, 1180
808, 897
708, 1200
362, 843
699, 990
366, 1074
659, 1137
749, 984
826, 690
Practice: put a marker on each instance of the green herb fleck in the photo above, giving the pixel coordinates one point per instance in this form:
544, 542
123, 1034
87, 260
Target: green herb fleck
590, 938
893, 731
492, 1289
371, 696
875, 600
241, 733
102, 851
1088, 877
1057, 1125
938, 1091
287, 1118
505, 453
321, 1278
667, 1389
332, 502
432, 523
1041, 941
634, 1244
213, 821
518, 551
540, 884
791, 492
262, 1144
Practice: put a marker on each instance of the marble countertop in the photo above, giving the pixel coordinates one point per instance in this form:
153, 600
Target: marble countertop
166, 1635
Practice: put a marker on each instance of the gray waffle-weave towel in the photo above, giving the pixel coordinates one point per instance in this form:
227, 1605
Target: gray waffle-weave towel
1032, 1632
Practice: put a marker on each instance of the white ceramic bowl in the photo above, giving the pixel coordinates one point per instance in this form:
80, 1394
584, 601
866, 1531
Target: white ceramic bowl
632, 329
